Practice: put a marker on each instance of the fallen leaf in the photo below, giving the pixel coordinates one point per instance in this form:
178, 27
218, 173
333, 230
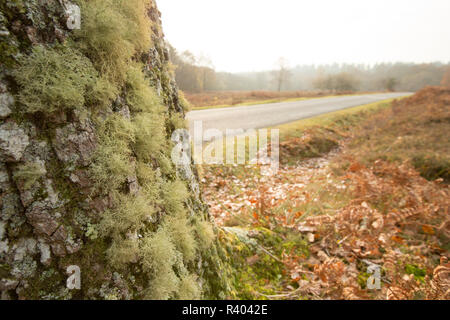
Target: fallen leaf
428, 229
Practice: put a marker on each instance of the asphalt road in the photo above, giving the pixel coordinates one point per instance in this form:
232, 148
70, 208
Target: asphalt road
269, 115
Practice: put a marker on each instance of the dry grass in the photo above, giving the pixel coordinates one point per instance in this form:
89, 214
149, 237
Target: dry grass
415, 129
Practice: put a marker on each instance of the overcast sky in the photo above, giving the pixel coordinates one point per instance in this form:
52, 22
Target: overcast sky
250, 35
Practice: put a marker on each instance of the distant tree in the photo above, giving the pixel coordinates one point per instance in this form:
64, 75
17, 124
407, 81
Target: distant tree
340, 82
446, 79
282, 74
345, 81
196, 74
390, 84
324, 83
193, 74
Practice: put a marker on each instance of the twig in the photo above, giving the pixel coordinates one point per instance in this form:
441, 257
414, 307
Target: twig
269, 254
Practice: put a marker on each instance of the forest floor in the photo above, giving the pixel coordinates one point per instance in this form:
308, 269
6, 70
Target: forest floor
224, 99
361, 196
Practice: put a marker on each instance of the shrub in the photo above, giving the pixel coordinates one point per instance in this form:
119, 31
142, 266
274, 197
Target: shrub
53, 79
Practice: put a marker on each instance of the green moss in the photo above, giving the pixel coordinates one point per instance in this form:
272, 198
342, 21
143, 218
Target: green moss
102, 93
150, 136
158, 257
182, 235
91, 231
113, 31
122, 252
165, 163
53, 79
129, 215
183, 101
141, 97
177, 121
29, 173
419, 274
205, 234
174, 195
362, 279
112, 157
189, 288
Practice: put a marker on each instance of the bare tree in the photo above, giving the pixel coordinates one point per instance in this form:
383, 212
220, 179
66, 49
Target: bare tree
390, 84
282, 74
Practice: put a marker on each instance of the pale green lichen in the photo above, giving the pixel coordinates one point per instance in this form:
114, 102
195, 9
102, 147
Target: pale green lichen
53, 79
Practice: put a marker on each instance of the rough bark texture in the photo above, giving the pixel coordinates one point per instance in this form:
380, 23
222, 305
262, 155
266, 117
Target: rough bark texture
53, 207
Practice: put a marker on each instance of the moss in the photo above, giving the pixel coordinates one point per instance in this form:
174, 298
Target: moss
29, 173
53, 79
174, 195
177, 121
123, 252
205, 234
128, 216
189, 288
165, 163
150, 137
419, 274
112, 157
102, 93
113, 31
264, 276
146, 174
182, 235
158, 257
91, 231
139, 32
141, 97
362, 279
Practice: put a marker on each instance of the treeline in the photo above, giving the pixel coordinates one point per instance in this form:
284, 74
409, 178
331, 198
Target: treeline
197, 74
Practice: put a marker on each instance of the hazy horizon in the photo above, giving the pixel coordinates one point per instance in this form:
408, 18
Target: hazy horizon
250, 35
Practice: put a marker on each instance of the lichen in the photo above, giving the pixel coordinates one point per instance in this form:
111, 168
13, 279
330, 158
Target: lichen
53, 79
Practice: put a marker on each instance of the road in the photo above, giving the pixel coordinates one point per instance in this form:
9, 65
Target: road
269, 115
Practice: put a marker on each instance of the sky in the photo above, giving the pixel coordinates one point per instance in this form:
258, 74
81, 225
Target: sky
251, 35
